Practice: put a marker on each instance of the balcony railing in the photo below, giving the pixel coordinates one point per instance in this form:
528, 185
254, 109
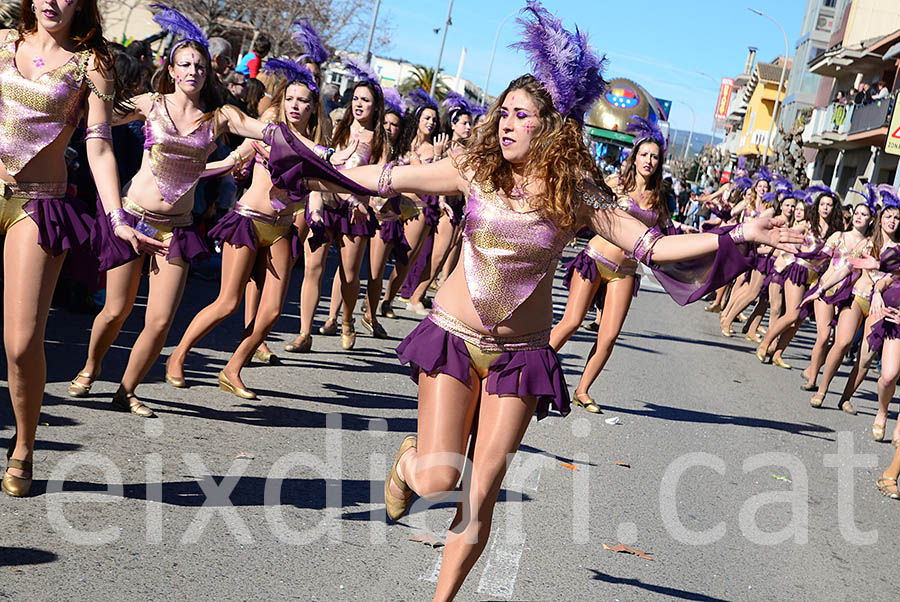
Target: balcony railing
871, 116
829, 124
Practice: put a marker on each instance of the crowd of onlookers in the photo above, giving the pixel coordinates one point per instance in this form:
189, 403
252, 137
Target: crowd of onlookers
864, 94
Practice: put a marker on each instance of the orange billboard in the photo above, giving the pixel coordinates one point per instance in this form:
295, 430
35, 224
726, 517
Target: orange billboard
724, 98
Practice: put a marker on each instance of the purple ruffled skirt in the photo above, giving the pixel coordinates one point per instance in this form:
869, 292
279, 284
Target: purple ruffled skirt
186, 243
797, 274
63, 224
237, 230
338, 221
392, 233
431, 210
429, 348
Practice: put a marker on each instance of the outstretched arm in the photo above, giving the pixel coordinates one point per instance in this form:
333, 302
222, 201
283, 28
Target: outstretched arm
440, 178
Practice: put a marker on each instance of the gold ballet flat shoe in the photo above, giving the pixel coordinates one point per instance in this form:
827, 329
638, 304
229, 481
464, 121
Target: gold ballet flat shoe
303, 344
329, 328
712, 308
817, 400
777, 361
878, 432
176, 381
387, 311
228, 386
583, 400
760, 330
348, 336
265, 357
17, 486
128, 402
753, 338
727, 332
417, 308
375, 328
761, 354
77, 389
888, 487
398, 506
847, 407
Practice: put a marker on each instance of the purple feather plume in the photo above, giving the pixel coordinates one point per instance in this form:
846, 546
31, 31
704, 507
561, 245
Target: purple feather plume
292, 72
305, 35
562, 61
870, 194
422, 99
361, 72
803, 195
889, 196
394, 102
644, 129
782, 185
762, 173
173, 22
743, 182
770, 197
820, 188
456, 102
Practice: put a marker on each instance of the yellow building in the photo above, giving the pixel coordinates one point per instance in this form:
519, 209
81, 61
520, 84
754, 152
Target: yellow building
758, 96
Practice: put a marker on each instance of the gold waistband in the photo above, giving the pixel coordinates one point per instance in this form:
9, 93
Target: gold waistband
279, 221
32, 190
157, 219
486, 342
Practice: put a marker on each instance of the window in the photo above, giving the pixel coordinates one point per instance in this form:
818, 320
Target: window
829, 3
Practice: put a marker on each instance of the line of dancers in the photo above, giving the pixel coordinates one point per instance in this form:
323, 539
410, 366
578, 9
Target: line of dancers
499, 204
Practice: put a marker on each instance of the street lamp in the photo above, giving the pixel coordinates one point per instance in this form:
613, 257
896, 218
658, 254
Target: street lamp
765, 157
691, 135
368, 53
715, 125
494, 50
437, 68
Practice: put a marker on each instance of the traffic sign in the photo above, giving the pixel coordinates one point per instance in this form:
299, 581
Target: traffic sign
892, 144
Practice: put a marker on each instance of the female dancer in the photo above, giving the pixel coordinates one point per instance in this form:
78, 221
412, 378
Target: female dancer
802, 274
444, 250
769, 297
754, 203
260, 240
390, 213
528, 181
158, 202
602, 273
53, 70
421, 143
349, 219
885, 338
844, 290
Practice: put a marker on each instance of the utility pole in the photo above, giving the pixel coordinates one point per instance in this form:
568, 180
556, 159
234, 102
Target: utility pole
437, 68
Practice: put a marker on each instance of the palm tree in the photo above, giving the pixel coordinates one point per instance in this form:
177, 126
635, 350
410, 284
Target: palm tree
422, 76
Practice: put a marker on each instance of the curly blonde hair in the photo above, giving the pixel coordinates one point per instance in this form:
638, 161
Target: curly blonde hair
558, 157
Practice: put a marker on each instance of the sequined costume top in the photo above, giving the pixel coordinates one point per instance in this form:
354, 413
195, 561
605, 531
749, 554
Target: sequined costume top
176, 161
33, 113
648, 217
506, 253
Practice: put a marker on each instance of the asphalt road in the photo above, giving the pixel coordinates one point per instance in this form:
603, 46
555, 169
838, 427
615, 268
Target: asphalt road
738, 489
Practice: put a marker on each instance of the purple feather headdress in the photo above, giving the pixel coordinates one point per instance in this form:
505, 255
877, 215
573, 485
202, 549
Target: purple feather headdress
889, 196
393, 102
741, 166
422, 100
306, 36
782, 185
870, 194
458, 105
802, 195
479, 110
644, 129
361, 72
562, 61
173, 22
762, 173
743, 182
770, 197
292, 72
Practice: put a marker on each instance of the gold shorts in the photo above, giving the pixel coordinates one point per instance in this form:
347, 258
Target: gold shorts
163, 224
14, 197
269, 229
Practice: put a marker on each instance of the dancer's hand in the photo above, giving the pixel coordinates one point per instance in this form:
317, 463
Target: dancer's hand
440, 144
865, 262
260, 149
892, 314
315, 217
445, 206
341, 156
876, 306
141, 243
359, 213
771, 231
810, 298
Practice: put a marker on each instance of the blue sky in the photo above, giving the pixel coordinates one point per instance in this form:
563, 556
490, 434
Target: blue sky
660, 45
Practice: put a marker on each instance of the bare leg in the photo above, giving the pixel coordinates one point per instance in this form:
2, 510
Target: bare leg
452, 256
615, 308
166, 288
29, 277
378, 256
848, 323
793, 294
416, 232
121, 289
864, 361
756, 319
776, 302
824, 314
887, 382
311, 288
744, 297
277, 279
252, 294
237, 264
443, 237
352, 252
581, 294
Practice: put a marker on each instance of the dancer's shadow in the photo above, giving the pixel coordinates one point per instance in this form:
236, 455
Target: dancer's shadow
25, 556
670, 592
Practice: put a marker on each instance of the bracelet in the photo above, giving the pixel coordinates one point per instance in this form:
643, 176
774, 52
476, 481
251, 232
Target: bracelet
385, 188
238, 159
117, 218
320, 150
100, 130
328, 154
643, 248
737, 234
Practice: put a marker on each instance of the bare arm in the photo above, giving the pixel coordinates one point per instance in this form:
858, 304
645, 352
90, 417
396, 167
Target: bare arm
442, 177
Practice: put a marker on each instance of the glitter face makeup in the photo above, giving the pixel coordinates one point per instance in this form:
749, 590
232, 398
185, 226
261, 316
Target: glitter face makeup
38, 61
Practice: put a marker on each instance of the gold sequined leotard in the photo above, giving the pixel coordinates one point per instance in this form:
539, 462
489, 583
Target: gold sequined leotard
33, 113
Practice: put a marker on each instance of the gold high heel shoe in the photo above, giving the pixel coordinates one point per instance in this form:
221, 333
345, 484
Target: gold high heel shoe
583, 400
128, 402
303, 344
227, 385
329, 328
817, 400
348, 335
753, 338
398, 506
878, 432
77, 389
176, 381
374, 327
777, 361
761, 354
11, 484
265, 357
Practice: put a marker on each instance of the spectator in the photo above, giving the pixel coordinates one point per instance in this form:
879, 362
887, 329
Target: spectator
254, 92
840, 98
331, 98
237, 85
881, 91
864, 95
220, 52
669, 194
251, 62
684, 197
